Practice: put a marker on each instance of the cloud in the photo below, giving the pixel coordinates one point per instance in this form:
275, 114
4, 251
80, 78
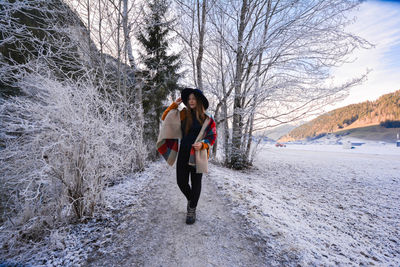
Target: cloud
379, 23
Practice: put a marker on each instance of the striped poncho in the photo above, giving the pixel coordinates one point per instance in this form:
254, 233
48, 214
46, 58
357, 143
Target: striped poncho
170, 133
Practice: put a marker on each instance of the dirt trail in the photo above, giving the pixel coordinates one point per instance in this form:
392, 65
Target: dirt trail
154, 232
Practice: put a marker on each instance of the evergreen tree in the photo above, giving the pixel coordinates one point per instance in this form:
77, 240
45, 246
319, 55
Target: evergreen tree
160, 70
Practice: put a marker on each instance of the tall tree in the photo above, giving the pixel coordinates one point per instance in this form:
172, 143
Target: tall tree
268, 62
160, 71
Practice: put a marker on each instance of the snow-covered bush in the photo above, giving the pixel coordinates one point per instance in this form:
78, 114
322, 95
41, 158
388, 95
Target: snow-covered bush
63, 141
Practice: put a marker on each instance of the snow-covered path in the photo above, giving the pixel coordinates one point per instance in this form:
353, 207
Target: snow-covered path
154, 232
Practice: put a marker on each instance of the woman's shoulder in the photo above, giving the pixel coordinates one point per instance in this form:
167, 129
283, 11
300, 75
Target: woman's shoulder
211, 123
209, 115
171, 107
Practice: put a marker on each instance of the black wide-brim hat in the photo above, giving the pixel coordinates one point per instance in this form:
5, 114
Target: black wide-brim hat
197, 92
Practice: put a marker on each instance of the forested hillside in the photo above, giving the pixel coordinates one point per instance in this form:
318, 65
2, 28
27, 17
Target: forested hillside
385, 111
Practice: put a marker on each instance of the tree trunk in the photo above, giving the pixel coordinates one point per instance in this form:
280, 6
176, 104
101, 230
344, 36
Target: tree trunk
257, 84
237, 160
201, 27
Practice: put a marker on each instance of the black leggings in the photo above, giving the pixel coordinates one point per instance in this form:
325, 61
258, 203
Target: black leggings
182, 177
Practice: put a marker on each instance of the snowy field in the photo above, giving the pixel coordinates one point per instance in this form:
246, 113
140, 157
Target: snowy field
321, 204
302, 205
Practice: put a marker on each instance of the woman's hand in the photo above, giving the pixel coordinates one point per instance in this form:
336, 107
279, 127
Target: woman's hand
178, 101
197, 146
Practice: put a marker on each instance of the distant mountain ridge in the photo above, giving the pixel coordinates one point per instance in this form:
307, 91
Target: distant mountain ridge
279, 131
385, 111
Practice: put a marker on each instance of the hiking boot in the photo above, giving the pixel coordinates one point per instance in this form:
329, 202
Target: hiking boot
191, 215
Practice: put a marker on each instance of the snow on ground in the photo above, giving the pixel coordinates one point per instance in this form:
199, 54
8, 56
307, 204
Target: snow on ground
74, 244
332, 142
321, 204
143, 224
367, 147
302, 205
154, 233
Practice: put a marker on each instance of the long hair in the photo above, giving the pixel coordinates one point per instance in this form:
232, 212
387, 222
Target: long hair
200, 115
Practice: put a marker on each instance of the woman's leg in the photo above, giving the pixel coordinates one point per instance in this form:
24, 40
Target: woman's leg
196, 186
182, 176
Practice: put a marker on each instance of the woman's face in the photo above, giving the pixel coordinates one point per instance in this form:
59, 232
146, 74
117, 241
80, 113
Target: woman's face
192, 101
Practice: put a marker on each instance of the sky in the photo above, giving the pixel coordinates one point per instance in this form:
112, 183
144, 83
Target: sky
379, 23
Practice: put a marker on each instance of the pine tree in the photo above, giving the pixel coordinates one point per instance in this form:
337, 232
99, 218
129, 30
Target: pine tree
160, 72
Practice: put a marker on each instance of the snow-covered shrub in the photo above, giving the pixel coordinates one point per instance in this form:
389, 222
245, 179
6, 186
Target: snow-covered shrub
63, 141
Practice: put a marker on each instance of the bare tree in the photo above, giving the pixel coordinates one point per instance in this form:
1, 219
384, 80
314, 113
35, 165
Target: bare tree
273, 61
192, 32
63, 138
111, 28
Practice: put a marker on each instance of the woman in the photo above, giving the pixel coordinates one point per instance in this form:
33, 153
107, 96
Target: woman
197, 134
